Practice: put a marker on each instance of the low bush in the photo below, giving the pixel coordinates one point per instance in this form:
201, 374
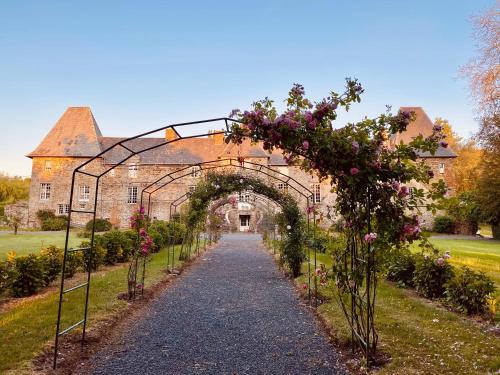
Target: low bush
401, 270
84, 234
101, 225
7, 268
56, 223
28, 276
43, 215
51, 259
443, 224
74, 262
117, 246
431, 273
468, 291
98, 256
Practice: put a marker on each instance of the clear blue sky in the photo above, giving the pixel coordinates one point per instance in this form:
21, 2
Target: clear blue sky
143, 64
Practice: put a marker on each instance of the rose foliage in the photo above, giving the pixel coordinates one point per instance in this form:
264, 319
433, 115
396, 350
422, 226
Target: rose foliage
369, 174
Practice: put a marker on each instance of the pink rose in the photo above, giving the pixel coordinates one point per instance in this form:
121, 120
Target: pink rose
354, 171
370, 237
355, 146
305, 145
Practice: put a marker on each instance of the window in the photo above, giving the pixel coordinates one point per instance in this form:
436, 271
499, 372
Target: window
412, 191
44, 192
191, 188
441, 168
48, 165
84, 193
82, 206
132, 194
195, 172
283, 187
316, 190
63, 209
132, 170
244, 197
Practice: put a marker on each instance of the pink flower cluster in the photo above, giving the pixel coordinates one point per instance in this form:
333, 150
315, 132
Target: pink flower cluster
137, 217
146, 243
370, 237
322, 275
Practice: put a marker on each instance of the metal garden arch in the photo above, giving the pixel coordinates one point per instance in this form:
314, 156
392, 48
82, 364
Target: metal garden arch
100, 169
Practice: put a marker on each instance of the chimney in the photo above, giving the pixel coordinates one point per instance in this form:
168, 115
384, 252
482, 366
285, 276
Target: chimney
170, 134
218, 138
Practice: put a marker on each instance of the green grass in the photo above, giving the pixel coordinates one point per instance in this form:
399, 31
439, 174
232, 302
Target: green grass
481, 255
27, 243
30, 324
421, 337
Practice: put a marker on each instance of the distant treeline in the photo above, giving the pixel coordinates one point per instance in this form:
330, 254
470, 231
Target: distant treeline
13, 189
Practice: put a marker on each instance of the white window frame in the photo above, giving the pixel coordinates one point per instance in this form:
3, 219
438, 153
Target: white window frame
45, 188
133, 193
283, 187
84, 193
441, 168
316, 190
244, 196
195, 171
133, 169
63, 208
48, 165
83, 206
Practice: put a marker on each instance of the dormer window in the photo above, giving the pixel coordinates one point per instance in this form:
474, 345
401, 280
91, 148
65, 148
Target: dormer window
48, 165
132, 170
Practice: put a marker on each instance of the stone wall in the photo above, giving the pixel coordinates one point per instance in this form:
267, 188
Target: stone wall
19, 209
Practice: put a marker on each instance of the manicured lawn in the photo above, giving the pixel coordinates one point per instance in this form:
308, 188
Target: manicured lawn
27, 327
421, 337
482, 255
27, 243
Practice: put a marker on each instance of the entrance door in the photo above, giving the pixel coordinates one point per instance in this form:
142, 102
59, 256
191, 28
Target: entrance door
244, 223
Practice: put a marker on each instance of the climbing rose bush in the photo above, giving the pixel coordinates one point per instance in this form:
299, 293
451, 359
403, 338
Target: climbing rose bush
369, 174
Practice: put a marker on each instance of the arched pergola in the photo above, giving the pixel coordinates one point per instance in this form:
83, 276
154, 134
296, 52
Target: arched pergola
95, 169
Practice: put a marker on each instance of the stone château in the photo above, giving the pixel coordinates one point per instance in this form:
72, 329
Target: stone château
76, 138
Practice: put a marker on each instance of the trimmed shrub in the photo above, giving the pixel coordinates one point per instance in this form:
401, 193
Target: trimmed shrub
83, 234
117, 246
56, 223
443, 224
468, 291
98, 255
101, 225
7, 268
74, 261
176, 232
402, 269
28, 277
43, 215
51, 259
432, 272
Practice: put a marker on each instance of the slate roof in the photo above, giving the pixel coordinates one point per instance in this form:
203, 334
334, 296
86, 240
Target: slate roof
422, 125
75, 134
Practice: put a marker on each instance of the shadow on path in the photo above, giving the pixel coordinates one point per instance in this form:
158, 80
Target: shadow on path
233, 312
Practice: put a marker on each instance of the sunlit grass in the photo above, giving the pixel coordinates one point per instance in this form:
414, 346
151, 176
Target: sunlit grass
27, 327
27, 243
421, 337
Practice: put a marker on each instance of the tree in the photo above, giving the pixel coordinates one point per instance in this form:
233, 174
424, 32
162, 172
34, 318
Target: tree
466, 165
14, 222
483, 74
482, 71
453, 139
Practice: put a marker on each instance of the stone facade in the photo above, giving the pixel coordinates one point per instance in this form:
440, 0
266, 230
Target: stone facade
76, 138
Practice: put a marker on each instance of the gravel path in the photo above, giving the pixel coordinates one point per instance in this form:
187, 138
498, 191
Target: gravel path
230, 313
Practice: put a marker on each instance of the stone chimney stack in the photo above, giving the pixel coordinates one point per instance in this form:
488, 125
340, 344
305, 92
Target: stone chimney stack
218, 138
170, 134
